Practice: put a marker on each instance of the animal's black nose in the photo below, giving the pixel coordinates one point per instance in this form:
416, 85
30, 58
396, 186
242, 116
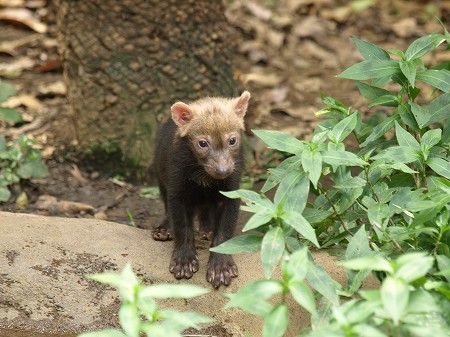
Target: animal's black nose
222, 171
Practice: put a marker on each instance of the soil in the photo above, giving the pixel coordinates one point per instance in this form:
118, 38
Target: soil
289, 53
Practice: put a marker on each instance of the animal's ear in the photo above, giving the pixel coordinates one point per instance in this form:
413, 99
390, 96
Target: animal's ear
181, 113
242, 104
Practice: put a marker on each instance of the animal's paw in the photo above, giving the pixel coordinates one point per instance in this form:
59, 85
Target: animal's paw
221, 269
205, 235
162, 233
184, 263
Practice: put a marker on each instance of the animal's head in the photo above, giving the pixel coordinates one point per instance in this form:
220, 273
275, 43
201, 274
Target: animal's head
213, 127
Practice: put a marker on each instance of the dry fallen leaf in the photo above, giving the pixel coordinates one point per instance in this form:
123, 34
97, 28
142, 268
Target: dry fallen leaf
261, 79
55, 88
23, 16
55, 206
14, 68
29, 101
12, 3
9, 47
261, 12
406, 27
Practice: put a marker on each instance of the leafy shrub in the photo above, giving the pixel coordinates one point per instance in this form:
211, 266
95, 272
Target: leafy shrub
388, 201
139, 312
20, 159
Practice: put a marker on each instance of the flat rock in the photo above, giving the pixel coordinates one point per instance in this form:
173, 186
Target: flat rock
43, 261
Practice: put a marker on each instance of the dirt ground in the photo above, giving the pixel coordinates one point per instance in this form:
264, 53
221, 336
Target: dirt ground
289, 53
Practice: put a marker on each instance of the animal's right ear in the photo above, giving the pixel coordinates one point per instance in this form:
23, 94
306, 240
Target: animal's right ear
181, 113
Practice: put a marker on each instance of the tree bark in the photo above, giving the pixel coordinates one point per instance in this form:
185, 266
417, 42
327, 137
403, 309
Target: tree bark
126, 62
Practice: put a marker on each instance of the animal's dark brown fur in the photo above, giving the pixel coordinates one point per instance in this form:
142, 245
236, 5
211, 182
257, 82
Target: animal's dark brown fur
199, 153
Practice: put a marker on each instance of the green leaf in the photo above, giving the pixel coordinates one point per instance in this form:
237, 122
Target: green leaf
280, 141
423, 45
297, 265
250, 196
322, 282
444, 264
439, 109
416, 268
240, 244
439, 79
371, 92
129, 319
342, 129
421, 114
446, 134
5, 194
421, 301
313, 215
352, 182
358, 246
366, 70
183, 320
173, 291
2, 143
251, 296
6, 91
431, 138
404, 138
277, 174
342, 158
370, 51
440, 166
385, 100
272, 248
33, 169
380, 130
275, 324
10, 115
312, 164
294, 190
395, 297
257, 220
303, 295
408, 69
402, 154
299, 223
369, 262
104, 333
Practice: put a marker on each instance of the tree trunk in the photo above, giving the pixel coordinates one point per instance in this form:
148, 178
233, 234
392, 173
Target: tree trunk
126, 62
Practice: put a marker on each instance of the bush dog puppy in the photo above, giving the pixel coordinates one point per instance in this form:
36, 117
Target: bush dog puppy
199, 153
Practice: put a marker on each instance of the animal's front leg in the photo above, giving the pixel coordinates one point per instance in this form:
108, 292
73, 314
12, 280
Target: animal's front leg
184, 261
221, 267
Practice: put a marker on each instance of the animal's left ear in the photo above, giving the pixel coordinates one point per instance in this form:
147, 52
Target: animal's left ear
242, 104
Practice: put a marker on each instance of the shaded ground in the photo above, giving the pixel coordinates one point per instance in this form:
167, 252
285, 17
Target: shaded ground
289, 53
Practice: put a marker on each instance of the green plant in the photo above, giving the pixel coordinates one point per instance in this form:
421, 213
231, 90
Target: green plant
19, 159
388, 201
139, 312
7, 114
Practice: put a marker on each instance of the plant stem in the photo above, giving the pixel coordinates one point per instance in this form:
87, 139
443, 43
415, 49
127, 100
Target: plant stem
324, 192
393, 240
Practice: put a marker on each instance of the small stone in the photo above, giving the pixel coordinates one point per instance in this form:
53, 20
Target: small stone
101, 216
22, 201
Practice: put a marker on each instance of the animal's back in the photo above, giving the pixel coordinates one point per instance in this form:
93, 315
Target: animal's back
164, 146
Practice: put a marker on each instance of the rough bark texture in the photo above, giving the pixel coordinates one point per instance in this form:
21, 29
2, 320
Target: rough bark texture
126, 62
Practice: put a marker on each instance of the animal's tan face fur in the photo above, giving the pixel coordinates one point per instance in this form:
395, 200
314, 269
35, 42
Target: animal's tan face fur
213, 127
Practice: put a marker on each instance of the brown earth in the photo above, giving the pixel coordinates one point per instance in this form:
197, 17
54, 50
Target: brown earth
289, 53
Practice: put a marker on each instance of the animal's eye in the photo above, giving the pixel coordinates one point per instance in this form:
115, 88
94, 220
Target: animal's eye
233, 141
203, 143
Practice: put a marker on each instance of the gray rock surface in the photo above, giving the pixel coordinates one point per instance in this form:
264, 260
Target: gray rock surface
43, 261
